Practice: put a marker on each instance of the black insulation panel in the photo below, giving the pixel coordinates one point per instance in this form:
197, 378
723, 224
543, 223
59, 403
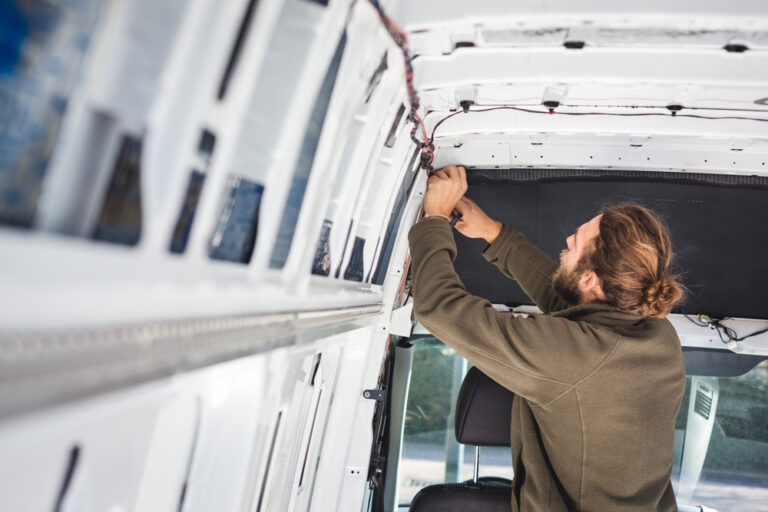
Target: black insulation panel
719, 229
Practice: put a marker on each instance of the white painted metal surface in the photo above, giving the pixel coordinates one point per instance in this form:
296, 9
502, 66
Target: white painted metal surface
162, 381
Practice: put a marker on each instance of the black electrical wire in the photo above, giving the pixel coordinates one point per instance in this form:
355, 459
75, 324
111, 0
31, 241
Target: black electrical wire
615, 114
666, 107
730, 334
427, 147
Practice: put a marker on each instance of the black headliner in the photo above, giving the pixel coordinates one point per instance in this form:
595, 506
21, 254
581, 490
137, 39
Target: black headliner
719, 231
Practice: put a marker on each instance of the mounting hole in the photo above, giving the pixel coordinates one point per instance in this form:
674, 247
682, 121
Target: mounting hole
735, 48
590, 157
647, 158
574, 45
705, 161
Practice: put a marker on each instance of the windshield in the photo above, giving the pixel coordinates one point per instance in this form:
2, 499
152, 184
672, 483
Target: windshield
431, 454
721, 435
721, 442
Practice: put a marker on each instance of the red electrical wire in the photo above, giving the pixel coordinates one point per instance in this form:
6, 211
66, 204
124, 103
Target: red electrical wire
427, 146
401, 39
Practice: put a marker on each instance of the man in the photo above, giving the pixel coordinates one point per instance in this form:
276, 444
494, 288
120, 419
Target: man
598, 377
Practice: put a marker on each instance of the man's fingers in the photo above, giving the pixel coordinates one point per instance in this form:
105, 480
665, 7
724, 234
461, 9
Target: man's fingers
465, 205
440, 175
451, 171
435, 178
462, 173
448, 172
455, 173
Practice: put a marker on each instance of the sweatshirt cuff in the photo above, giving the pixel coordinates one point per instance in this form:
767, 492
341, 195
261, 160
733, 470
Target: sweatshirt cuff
428, 224
507, 239
430, 234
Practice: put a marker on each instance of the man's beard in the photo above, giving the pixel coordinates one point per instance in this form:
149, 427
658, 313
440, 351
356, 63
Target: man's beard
566, 284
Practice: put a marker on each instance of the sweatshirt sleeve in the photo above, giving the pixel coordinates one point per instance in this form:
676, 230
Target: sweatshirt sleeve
519, 259
539, 357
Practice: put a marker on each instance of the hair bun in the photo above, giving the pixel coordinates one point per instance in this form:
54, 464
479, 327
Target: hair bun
661, 296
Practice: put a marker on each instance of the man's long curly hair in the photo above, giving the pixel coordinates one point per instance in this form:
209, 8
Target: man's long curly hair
632, 257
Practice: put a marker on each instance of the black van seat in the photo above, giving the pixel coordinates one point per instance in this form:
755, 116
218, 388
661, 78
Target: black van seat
464, 497
483, 412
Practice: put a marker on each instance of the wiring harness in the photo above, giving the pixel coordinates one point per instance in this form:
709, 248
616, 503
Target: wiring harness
401, 39
727, 334
426, 145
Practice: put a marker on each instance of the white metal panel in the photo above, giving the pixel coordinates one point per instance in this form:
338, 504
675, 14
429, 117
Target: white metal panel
604, 151
678, 13
169, 456
637, 66
113, 436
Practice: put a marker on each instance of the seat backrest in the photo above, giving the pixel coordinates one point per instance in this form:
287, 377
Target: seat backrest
483, 411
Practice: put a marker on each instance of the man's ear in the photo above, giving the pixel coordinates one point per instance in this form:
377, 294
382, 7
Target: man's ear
590, 285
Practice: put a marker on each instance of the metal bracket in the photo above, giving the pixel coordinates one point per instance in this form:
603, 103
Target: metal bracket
401, 323
375, 394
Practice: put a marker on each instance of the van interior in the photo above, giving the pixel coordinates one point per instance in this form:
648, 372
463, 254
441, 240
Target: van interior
205, 298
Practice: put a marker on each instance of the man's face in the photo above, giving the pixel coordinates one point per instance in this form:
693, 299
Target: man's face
567, 280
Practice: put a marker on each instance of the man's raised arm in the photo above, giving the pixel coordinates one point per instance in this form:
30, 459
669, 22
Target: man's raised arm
513, 254
538, 358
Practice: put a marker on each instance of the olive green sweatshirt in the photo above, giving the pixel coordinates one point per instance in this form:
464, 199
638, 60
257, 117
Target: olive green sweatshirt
597, 389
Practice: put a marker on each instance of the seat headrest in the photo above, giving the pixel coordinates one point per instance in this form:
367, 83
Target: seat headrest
483, 411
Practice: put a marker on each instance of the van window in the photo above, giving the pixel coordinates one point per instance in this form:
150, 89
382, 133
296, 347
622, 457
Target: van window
721, 435
431, 454
734, 473
306, 160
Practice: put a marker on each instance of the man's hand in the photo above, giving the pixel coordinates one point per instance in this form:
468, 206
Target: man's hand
444, 189
475, 223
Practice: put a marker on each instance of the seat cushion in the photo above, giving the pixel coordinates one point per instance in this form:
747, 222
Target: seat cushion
464, 497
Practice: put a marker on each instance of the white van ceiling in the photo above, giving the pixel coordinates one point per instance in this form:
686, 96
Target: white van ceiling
617, 72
